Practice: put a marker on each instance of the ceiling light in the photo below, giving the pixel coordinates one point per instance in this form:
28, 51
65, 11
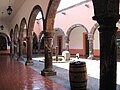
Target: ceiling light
9, 9
2, 27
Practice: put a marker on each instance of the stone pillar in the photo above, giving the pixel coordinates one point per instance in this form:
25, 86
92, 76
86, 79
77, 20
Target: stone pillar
20, 40
108, 51
67, 43
29, 50
56, 53
91, 53
67, 46
15, 48
11, 54
48, 42
107, 15
11, 46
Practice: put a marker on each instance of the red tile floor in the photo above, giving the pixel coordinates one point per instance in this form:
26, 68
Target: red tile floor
16, 76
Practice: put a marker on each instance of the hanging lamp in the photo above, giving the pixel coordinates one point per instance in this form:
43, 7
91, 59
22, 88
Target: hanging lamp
9, 9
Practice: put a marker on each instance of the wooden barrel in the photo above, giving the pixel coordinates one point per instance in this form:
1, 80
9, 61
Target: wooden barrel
78, 75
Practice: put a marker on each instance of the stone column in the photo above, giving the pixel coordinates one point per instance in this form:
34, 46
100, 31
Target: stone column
56, 53
48, 42
108, 51
11, 46
107, 15
11, 54
91, 54
20, 40
15, 48
67, 43
29, 50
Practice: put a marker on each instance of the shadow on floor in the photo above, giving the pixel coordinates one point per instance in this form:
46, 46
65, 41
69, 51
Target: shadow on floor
62, 77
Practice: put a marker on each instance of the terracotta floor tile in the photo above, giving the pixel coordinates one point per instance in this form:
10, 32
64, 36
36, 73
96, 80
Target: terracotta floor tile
16, 76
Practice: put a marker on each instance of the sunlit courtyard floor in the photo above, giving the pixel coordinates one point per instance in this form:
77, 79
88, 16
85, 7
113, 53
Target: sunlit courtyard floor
62, 69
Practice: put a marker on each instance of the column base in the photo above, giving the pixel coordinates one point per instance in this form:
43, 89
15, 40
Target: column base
15, 55
29, 62
48, 73
91, 57
11, 55
20, 58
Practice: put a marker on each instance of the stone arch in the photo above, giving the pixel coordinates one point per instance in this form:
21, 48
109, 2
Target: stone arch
36, 9
7, 39
16, 34
50, 16
94, 50
23, 28
59, 40
3, 43
59, 29
22, 37
84, 47
71, 28
93, 29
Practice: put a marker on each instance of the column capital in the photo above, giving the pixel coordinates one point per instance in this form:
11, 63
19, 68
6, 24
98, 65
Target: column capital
29, 37
49, 34
90, 36
106, 20
20, 38
107, 23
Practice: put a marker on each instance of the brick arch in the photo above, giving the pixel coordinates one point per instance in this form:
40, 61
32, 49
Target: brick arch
36, 9
23, 24
16, 32
50, 16
71, 28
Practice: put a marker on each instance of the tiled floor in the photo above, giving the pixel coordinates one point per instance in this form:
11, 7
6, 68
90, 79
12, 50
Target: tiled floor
16, 76
62, 70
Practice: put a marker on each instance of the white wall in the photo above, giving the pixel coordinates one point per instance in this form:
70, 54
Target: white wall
96, 41
77, 15
76, 38
6, 29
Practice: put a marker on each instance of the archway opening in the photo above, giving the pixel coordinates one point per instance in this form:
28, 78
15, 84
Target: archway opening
3, 43
38, 34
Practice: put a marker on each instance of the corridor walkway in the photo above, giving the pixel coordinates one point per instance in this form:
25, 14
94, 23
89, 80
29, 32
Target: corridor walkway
62, 69
16, 76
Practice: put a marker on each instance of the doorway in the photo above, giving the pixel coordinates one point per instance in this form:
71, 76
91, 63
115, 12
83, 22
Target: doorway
3, 43
59, 44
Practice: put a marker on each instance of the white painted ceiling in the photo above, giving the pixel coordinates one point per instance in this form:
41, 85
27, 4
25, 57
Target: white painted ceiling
16, 4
